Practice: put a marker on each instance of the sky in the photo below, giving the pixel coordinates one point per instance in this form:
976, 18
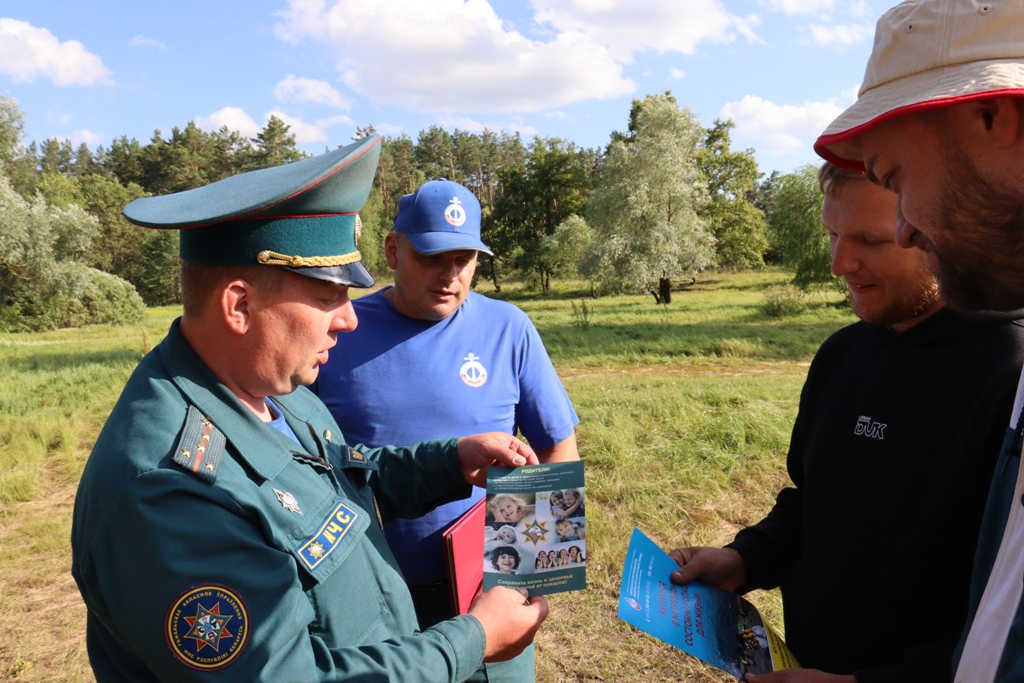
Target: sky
91, 72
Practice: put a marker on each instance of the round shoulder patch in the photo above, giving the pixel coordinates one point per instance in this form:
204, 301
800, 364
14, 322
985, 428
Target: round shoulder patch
207, 627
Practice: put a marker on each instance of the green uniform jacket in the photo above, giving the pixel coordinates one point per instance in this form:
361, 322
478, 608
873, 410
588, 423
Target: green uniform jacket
265, 563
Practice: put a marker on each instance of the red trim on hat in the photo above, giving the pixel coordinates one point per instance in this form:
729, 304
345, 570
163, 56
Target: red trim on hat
298, 192
294, 194
822, 143
305, 215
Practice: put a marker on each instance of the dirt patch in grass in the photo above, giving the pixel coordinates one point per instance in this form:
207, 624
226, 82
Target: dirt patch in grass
730, 368
42, 615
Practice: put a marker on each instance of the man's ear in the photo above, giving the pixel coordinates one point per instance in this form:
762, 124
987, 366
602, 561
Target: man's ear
391, 250
235, 299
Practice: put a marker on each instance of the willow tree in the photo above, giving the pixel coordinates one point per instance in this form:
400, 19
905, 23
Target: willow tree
645, 209
795, 229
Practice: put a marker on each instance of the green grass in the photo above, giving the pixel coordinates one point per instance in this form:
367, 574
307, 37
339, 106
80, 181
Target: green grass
685, 418
719, 317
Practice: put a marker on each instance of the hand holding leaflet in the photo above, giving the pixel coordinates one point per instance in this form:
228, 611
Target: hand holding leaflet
713, 625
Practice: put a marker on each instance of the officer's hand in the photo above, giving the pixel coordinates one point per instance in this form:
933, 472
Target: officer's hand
509, 622
799, 676
722, 567
480, 451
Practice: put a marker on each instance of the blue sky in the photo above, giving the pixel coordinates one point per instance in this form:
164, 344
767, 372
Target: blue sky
781, 69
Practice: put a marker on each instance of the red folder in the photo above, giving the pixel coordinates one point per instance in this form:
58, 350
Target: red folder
464, 549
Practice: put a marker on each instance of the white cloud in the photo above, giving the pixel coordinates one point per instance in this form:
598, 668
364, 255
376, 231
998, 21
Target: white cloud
295, 89
86, 136
659, 25
388, 129
523, 129
797, 6
843, 34
778, 129
140, 41
558, 115
303, 132
56, 115
28, 53
860, 8
452, 55
341, 119
473, 126
232, 117
459, 56
676, 74
236, 119
851, 94
462, 123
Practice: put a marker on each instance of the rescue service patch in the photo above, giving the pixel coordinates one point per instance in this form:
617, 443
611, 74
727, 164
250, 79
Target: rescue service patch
207, 627
320, 545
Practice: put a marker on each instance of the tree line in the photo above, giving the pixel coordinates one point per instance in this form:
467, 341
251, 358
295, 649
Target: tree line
663, 200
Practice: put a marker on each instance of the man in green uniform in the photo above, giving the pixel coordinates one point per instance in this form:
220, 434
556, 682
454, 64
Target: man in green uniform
222, 528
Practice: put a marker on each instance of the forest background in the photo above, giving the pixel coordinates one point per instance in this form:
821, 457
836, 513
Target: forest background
664, 200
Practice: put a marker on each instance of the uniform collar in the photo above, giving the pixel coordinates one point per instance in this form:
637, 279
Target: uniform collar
264, 448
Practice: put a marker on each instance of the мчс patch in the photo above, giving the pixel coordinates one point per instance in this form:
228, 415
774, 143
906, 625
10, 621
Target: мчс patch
320, 545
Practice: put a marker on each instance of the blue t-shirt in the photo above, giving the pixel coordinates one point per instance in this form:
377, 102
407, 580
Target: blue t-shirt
397, 381
278, 422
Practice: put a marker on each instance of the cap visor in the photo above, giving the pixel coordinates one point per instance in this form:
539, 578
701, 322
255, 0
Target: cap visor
436, 242
352, 275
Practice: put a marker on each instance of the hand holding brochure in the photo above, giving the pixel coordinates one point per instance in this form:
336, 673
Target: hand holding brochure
535, 528
713, 625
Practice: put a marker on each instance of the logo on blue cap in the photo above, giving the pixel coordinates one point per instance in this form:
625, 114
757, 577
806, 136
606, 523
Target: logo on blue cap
455, 214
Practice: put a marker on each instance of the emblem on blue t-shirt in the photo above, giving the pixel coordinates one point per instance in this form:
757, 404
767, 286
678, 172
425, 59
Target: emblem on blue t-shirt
207, 627
455, 214
472, 372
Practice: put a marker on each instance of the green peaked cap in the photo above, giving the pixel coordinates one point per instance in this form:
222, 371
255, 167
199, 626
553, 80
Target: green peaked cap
301, 216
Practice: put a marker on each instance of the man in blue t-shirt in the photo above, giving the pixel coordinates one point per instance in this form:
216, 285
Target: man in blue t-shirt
430, 359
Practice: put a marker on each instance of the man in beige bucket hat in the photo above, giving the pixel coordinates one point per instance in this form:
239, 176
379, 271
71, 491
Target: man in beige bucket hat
940, 122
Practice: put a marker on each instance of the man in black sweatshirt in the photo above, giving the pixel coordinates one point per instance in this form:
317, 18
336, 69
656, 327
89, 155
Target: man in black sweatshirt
900, 423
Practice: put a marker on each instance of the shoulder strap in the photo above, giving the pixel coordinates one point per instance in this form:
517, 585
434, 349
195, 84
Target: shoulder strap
200, 447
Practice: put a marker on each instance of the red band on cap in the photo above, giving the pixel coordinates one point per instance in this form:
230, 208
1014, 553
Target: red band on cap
305, 215
823, 142
248, 216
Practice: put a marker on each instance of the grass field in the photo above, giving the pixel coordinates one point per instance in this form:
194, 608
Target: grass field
685, 416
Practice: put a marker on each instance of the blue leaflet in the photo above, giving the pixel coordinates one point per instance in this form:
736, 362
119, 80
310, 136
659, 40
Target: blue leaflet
714, 625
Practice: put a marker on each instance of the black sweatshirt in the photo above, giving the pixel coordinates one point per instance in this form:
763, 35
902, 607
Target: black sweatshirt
891, 456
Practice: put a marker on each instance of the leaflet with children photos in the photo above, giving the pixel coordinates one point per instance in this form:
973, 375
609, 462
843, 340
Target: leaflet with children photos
714, 625
535, 529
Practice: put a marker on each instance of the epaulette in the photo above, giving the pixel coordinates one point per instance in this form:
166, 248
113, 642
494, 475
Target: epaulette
200, 447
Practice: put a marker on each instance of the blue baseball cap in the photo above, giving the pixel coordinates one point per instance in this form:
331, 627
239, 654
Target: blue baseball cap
441, 216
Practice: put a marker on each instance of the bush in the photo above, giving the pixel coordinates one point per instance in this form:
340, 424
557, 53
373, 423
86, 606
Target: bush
44, 283
783, 300
70, 294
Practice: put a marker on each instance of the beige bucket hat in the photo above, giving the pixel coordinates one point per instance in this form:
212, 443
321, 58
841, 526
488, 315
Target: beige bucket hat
930, 54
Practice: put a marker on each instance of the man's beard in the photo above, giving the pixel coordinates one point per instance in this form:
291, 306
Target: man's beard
979, 248
919, 294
